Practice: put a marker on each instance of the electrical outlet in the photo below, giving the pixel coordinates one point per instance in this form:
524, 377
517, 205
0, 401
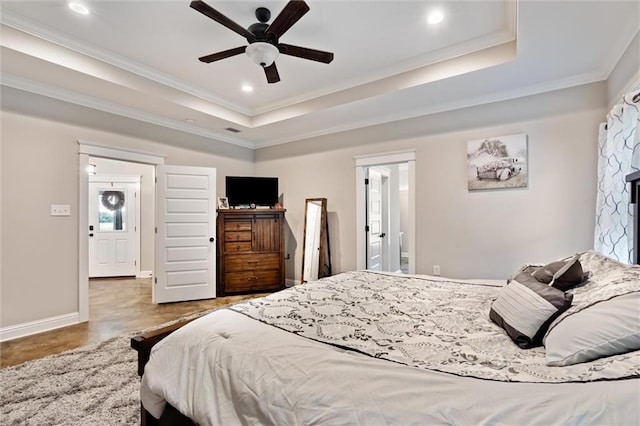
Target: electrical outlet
436, 270
60, 210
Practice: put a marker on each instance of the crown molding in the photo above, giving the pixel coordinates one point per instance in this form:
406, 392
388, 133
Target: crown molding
89, 102
500, 37
424, 61
17, 22
560, 84
507, 34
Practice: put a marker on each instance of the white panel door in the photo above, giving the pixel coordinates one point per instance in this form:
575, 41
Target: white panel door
185, 237
112, 226
374, 221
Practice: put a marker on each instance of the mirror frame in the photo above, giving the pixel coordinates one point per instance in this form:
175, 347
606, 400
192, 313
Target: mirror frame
324, 258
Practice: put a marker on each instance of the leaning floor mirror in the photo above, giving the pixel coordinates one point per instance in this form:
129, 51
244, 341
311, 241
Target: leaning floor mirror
316, 258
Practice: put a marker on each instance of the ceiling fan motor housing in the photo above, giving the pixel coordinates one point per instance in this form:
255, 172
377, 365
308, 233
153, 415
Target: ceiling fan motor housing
259, 30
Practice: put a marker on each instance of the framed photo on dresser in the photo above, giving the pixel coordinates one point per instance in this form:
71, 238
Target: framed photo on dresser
223, 203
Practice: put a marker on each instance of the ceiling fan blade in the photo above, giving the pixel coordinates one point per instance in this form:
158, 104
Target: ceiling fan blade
305, 53
272, 73
207, 10
293, 11
222, 55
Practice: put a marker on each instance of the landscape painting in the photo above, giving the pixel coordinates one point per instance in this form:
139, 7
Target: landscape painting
498, 162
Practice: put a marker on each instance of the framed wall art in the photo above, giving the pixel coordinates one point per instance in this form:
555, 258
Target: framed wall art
498, 162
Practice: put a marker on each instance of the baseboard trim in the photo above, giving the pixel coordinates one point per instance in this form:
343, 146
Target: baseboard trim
144, 274
33, 327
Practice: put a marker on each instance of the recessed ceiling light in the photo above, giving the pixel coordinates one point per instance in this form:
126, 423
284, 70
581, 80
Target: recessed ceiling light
78, 8
435, 17
247, 88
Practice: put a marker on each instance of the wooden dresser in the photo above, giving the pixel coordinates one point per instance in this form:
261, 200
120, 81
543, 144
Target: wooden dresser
250, 250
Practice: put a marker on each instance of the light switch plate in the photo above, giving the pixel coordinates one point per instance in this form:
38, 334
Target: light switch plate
60, 210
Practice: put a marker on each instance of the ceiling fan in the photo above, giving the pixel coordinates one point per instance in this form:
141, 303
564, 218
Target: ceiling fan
263, 39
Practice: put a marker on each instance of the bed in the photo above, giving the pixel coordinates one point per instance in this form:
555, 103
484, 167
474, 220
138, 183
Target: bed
371, 348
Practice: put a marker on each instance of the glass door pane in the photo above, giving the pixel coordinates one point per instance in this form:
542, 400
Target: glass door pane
111, 211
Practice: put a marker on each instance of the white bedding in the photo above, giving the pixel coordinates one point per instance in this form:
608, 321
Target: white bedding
252, 373
227, 369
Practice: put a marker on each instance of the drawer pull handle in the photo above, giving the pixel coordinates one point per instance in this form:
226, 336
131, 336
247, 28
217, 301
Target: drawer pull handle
252, 261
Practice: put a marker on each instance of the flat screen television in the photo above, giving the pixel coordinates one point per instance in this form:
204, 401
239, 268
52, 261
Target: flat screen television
245, 190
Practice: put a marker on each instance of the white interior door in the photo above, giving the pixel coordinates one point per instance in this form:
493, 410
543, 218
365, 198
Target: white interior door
374, 221
185, 237
113, 230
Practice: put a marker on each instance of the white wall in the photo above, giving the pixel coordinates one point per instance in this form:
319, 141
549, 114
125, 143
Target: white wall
39, 168
105, 166
469, 234
625, 76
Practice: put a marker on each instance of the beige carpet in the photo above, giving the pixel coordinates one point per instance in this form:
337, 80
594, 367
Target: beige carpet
95, 384
92, 385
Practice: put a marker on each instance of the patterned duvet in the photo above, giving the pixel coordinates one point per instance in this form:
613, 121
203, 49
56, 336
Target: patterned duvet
364, 348
421, 322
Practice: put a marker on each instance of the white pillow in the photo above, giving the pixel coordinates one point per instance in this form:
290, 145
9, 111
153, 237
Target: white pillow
603, 329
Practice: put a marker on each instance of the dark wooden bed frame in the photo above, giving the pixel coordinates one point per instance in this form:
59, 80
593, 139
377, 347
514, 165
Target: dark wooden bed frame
144, 342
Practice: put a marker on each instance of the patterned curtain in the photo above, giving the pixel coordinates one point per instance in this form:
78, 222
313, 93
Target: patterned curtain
618, 155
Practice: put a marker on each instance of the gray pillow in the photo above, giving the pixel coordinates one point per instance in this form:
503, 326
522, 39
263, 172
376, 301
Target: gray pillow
526, 307
562, 274
607, 328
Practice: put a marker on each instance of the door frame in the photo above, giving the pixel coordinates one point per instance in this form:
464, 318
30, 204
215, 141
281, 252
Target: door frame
127, 179
86, 150
381, 159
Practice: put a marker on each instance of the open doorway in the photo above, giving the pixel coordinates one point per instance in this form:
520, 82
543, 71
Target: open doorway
385, 212
98, 159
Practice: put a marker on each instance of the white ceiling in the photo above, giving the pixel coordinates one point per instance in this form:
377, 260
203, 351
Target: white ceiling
138, 59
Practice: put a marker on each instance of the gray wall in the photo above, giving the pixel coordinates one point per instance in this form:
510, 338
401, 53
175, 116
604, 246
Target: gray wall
40, 167
469, 234
626, 74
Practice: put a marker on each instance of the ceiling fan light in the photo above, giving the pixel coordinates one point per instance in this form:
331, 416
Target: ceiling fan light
262, 53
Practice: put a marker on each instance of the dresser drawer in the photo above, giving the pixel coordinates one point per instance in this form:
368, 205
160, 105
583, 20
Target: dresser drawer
238, 281
252, 280
236, 246
267, 280
237, 225
254, 261
237, 236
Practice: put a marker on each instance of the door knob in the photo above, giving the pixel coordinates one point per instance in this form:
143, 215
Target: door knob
211, 239
383, 235
91, 235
